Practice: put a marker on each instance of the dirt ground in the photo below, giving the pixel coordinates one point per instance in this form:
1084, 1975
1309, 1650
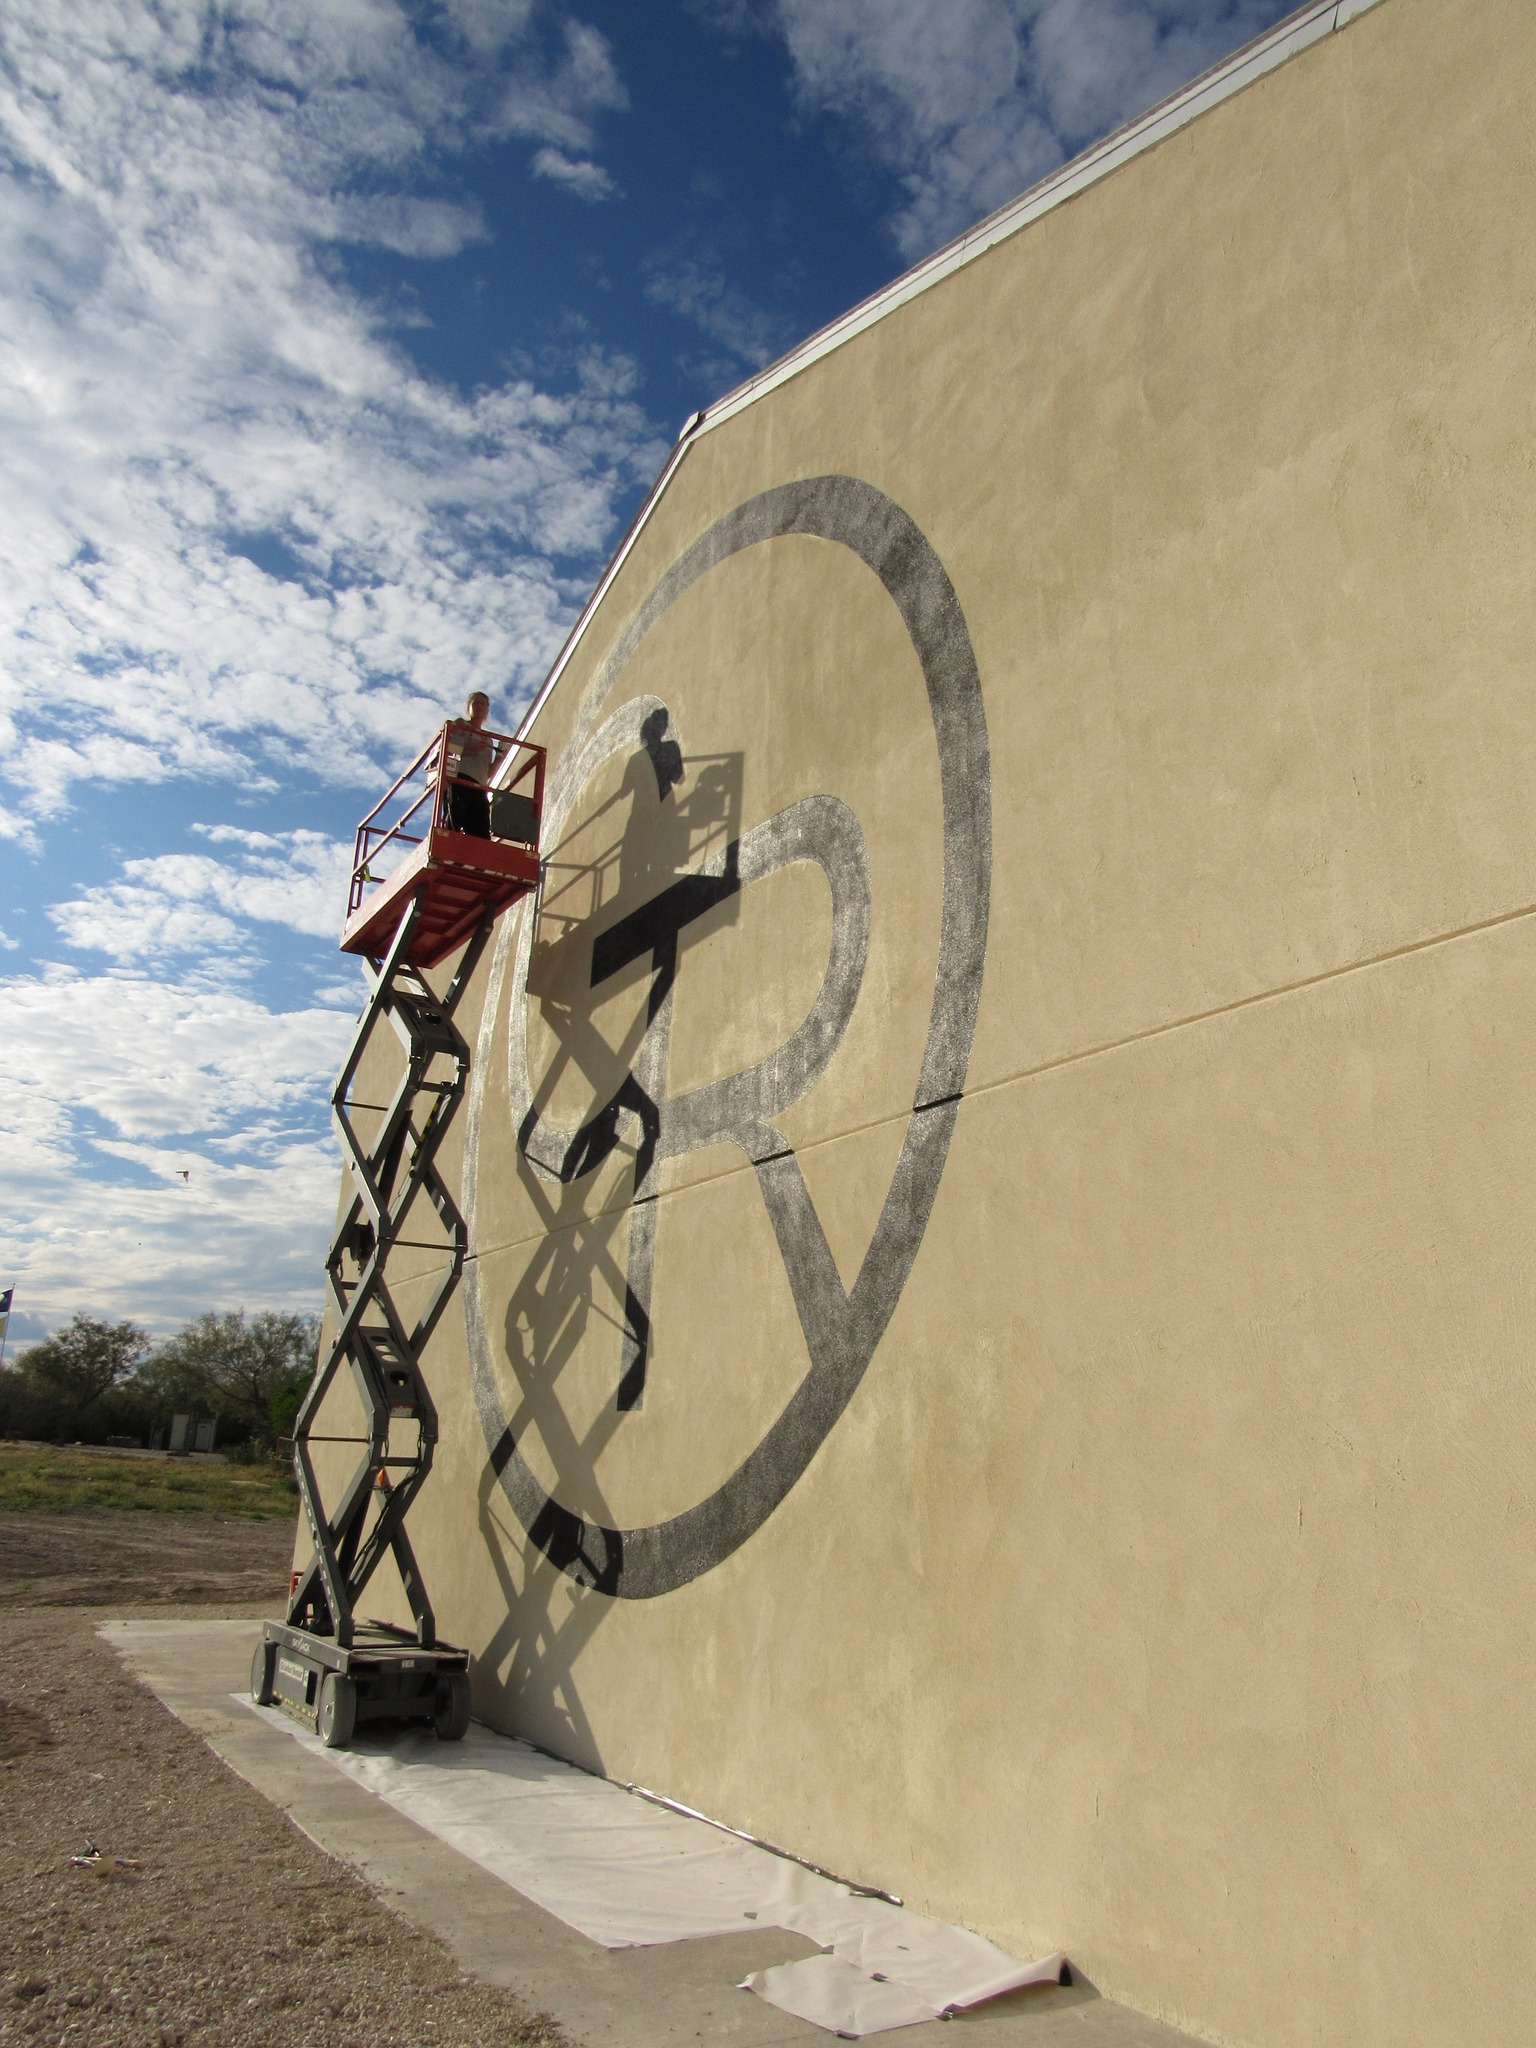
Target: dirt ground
222, 1923
114, 1560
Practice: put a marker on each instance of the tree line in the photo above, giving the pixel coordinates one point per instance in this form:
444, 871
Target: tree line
93, 1380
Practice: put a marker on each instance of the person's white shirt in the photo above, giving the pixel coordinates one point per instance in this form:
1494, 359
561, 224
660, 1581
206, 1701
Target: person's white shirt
477, 756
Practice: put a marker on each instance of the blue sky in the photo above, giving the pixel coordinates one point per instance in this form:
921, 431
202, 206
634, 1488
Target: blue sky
339, 339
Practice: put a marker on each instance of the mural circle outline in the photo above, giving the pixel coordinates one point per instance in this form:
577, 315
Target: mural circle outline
842, 1329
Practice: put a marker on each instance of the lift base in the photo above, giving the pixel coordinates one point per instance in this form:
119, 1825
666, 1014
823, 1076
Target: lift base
383, 1675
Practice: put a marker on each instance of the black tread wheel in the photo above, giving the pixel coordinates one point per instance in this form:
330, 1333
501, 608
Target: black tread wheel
450, 1709
336, 1712
263, 1659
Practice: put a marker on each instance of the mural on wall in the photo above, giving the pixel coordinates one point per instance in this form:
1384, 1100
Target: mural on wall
702, 863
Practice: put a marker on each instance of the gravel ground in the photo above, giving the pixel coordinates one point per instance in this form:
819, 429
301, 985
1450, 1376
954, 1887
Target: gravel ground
221, 1923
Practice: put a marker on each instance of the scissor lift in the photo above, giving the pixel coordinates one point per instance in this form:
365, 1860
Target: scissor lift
420, 888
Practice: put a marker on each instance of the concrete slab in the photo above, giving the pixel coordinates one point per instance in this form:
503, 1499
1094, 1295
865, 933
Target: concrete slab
627, 1998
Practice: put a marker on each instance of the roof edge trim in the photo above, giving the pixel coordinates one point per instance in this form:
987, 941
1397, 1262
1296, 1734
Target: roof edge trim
1264, 54
1277, 46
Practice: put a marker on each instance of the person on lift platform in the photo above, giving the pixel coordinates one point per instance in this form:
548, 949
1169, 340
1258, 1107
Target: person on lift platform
472, 758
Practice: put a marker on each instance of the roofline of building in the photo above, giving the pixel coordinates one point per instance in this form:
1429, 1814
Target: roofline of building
1277, 46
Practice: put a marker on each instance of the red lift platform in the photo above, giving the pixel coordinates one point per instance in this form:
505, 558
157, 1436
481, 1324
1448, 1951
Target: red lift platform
435, 859
410, 846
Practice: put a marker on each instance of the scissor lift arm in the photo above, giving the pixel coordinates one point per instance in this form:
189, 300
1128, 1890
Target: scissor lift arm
445, 885
323, 1660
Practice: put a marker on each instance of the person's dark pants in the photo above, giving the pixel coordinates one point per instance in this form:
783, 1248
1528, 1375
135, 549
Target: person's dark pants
469, 810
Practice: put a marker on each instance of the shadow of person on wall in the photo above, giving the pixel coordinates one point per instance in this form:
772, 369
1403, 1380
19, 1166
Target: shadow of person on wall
675, 823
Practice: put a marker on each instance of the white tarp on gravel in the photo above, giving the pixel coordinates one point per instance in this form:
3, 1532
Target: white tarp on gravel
628, 1873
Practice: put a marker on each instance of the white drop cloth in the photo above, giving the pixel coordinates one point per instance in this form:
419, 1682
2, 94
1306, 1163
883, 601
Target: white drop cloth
628, 1873
868, 1986
836, 1995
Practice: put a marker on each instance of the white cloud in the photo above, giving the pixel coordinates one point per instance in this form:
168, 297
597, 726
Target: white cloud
343, 994
972, 101
487, 26
183, 375
559, 103
165, 908
413, 227
578, 175
699, 289
117, 1087
179, 903
154, 1058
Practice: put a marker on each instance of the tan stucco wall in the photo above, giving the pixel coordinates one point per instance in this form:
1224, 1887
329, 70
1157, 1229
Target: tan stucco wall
1166, 1591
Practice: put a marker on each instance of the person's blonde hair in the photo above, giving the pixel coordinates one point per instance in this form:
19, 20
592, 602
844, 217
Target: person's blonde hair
474, 697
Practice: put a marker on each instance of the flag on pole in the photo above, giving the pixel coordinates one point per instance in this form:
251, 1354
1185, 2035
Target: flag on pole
5, 1311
